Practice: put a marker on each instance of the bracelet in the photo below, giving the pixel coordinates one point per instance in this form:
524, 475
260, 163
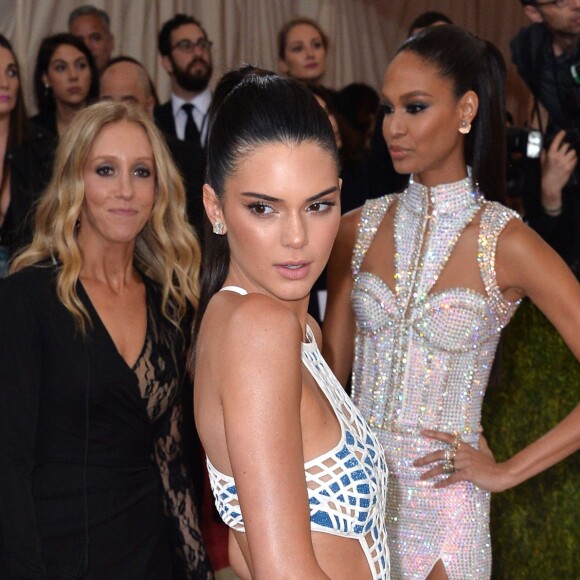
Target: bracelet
552, 211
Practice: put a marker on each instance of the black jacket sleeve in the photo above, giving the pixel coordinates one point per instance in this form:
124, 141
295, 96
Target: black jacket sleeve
20, 383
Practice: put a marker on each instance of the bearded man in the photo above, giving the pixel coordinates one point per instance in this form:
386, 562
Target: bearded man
186, 56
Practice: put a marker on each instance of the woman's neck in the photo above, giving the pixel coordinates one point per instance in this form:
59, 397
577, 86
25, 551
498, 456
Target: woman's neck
430, 180
4, 131
64, 116
112, 264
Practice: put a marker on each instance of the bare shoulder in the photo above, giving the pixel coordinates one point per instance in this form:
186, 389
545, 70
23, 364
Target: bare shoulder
316, 331
526, 263
517, 241
251, 322
349, 226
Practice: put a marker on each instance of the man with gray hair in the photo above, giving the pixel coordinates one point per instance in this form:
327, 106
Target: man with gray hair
92, 26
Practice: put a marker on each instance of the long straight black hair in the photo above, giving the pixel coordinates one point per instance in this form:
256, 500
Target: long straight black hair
251, 107
472, 64
44, 96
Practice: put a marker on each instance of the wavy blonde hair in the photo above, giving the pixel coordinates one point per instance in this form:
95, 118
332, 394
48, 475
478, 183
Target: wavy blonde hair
166, 250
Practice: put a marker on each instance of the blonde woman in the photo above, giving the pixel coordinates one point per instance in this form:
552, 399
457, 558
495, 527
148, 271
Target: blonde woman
302, 50
93, 326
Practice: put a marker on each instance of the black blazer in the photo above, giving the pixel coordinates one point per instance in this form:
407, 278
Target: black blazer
68, 476
190, 160
164, 119
31, 165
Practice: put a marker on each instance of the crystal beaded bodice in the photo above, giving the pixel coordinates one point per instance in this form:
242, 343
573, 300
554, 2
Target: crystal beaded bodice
422, 359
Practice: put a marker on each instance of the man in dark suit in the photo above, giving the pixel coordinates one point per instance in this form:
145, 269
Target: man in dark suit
186, 56
125, 79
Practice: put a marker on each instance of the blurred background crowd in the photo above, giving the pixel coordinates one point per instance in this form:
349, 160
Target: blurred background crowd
57, 56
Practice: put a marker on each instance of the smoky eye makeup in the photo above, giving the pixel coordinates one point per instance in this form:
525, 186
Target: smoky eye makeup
416, 107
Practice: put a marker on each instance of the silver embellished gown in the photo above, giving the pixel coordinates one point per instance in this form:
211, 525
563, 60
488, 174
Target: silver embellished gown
422, 360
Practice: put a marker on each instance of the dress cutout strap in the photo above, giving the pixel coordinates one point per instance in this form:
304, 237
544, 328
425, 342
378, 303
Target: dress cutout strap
494, 219
372, 214
235, 289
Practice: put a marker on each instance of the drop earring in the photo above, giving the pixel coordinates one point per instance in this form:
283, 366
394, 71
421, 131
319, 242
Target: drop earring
465, 127
218, 228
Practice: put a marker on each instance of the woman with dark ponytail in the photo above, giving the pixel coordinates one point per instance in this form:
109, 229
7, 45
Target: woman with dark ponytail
424, 281
295, 470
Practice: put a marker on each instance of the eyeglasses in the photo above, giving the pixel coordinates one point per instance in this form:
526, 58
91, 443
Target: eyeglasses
556, 3
189, 46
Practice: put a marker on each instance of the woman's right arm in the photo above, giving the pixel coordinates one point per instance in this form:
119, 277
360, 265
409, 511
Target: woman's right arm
20, 380
339, 322
261, 392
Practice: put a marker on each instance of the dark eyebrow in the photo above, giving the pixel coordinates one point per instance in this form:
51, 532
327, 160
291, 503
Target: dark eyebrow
409, 95
271, 199
412, 94
323, 193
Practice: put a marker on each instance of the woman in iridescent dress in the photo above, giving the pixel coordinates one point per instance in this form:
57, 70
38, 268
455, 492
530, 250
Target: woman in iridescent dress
424, 281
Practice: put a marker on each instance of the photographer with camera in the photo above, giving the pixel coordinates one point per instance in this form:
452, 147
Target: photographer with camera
547, 56
535, 531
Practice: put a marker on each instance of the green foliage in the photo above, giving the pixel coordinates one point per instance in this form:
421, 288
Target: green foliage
535, 527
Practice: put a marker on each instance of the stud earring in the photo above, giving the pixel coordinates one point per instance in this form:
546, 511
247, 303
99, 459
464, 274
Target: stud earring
465, 127
218, 228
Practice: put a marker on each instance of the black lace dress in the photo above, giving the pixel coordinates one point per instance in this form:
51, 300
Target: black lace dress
92, 478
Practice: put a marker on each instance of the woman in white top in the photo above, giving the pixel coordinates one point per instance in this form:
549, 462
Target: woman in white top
296, 472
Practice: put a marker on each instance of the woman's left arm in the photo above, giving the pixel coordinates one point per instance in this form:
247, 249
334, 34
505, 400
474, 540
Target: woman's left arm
186, 539
526, 266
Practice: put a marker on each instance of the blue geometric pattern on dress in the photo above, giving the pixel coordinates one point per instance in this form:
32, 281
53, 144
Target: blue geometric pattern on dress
347, 486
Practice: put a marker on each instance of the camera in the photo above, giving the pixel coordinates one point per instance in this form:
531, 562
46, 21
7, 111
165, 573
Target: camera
525, 145
526, 142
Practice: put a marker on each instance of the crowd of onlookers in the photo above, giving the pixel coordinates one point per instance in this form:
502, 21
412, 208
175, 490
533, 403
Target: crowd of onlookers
76, 68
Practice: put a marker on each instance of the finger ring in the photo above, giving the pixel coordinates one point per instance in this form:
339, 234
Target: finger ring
447, 454
452, 454
448, 467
